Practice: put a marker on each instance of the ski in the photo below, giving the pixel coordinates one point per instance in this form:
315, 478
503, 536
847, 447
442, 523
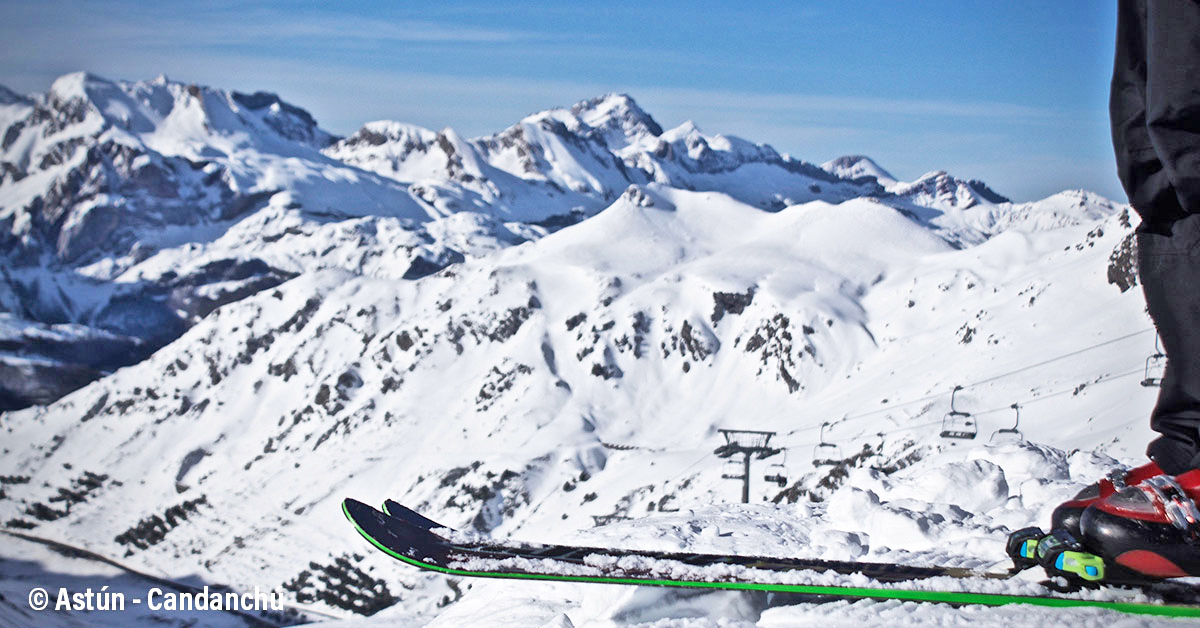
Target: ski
411, 538
883, 572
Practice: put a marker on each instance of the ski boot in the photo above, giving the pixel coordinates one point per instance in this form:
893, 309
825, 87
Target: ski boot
1152, 528
1066, 516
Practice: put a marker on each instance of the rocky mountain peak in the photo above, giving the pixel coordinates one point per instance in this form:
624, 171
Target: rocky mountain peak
687, 129
940, 189
383, 132
990, 195
267, 100
77, 85
855, 166
616, 111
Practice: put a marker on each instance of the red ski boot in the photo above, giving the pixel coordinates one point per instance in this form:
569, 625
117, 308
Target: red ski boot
1066, 516
1152, 528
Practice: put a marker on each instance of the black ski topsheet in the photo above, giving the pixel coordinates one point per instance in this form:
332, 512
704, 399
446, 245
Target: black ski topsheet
409, 539
883, 572
397, 510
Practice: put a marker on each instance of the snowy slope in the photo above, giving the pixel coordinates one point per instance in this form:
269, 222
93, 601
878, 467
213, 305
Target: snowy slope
535, 368
583, 375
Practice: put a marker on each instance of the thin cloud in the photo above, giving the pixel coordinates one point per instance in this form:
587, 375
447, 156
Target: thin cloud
56, 25
337, 29
818, 103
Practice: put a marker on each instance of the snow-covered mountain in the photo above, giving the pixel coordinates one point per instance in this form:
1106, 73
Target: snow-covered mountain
530, 333
858, 166
135, 208
562, 165
101, 178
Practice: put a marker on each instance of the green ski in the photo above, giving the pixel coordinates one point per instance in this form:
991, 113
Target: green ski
413, 539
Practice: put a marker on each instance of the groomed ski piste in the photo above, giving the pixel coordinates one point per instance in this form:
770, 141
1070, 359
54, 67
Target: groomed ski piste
563, 376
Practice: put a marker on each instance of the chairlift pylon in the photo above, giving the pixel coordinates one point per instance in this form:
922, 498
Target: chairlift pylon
1010, 433
826, 453
1155, 366
956, 424
746, 443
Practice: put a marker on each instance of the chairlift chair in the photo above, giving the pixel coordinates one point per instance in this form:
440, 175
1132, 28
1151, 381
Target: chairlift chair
732, 470
826, 453
958, 425
777, 472
1156, 365
1006, 434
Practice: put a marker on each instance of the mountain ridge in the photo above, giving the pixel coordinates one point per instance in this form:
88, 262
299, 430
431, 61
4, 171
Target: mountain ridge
127, 207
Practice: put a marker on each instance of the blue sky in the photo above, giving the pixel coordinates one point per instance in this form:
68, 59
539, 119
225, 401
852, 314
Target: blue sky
1014, 93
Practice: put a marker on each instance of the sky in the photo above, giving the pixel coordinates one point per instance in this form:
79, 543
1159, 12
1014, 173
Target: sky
1013, 92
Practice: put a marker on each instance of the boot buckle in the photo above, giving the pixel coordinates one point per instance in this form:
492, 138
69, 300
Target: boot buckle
1181, 511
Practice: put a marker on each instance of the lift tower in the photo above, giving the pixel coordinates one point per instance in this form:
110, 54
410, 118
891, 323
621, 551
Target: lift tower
747, 443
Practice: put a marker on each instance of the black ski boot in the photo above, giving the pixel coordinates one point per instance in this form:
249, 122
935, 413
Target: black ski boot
1066, 516
1152, 528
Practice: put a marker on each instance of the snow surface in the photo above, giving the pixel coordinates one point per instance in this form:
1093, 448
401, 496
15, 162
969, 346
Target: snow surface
601, 297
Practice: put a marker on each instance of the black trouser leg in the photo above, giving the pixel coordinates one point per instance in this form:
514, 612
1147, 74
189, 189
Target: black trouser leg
1169, 267
1173, 95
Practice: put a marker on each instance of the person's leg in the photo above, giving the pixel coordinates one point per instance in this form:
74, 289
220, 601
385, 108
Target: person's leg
1169, 238
1169, 268
1155, 115
1143, 178
1142, 175
1173, 95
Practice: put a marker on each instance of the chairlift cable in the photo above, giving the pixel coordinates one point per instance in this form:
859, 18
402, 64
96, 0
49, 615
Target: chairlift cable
1022, 403
993, 378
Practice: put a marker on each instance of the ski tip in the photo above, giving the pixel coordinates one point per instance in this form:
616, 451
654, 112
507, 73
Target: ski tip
396, 510
352, 507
